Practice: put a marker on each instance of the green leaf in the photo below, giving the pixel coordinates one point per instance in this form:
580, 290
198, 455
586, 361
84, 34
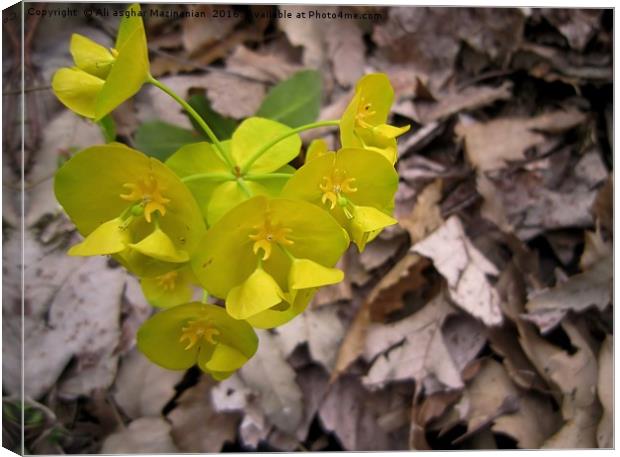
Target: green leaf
223, 127
160, 139
256, 132
295, 101
108, 128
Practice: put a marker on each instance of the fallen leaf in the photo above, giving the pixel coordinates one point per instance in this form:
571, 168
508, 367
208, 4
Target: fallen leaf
405, 276
414, 349
346, 51
603, 206
143, 388
269, 68
233, 96
605, 431
273, 381
381, 250
504, 342
197, 36
352, 414
307, 33
465, 269
579, 432
592, 288
320, 328
71, 312
491, 145
426, 214
147, 435
490, 395
431, 407
314, 384
577, 25
467, 99
64, 134
574, 375
196, 426
464, 337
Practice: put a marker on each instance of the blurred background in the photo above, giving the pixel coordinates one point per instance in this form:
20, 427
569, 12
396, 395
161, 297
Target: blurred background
482, 321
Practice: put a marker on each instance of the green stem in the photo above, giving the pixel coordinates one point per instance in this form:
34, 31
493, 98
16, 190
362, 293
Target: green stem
211, 176
244, 187
276, 140
219, 149
268, 176
205, 296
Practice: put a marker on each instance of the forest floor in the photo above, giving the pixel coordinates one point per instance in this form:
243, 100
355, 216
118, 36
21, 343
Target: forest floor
482, 320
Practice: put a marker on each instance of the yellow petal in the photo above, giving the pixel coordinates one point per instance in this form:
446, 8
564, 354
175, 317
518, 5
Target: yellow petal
305, 274
90, 56
257, 293
77, 90
159, 246
108, 238
390, 131
366, 222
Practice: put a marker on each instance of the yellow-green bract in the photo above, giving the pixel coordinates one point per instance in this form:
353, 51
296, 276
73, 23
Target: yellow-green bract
267, 256
356, 186
363, 124
104, 78
217, 196
130, 206
197, 333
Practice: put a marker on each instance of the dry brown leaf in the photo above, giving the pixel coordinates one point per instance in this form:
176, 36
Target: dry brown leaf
273, 381
592, 288
577, 25
464, 337
143, 388
346, 51
429, 39
426, 214
308, 33
465, 269
429, 409
196, 427
314, 383
320, 328
65, 132
579, 432
603, 204
605, 430
71, 312
504, 342
412, 348
574, 375
233, 96
269, 68
381, 250
198, 34
490, 395
353, 415
387, 295
491, 145
147, 435
467, 99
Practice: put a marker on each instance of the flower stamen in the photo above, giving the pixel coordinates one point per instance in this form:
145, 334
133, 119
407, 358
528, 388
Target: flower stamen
148, 192
168, 280
334, 186
268, 234
197, 330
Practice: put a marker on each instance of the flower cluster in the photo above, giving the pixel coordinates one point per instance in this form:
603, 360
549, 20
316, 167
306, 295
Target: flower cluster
232, 218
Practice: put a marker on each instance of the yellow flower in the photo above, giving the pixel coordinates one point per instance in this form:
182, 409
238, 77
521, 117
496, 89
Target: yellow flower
363, 124
197, 333
104, 78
